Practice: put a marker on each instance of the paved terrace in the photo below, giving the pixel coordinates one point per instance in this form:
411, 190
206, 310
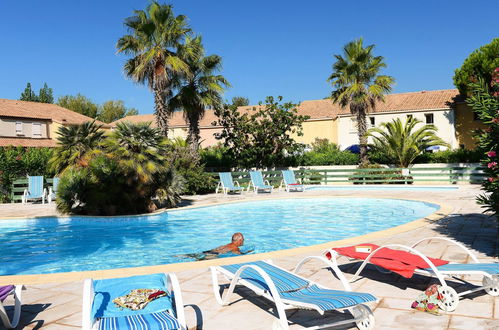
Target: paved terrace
58, 305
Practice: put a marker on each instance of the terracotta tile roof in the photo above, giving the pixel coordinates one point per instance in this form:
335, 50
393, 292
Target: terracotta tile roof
424, 100
45, 111
26, 142
326, 109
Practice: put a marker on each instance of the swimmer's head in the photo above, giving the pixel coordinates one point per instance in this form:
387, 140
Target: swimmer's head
238, 238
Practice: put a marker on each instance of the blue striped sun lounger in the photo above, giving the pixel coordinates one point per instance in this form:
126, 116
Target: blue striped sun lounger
99, 311
289, 181
290, 291
226, 184
257, 182
35, 190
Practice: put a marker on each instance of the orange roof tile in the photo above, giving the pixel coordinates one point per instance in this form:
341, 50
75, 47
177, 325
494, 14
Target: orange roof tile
45, 111
326, 109
26, 142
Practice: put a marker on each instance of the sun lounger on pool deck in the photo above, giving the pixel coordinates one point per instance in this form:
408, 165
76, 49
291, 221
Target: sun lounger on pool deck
35, 190
227, 185
290, 291
4, 292
410, 261
289, 181
53, 190
99, 311
257, 182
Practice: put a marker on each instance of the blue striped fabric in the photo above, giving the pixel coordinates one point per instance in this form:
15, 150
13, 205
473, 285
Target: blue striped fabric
35, 186
294, 288
226, 178
161, 320
289, 176
257, 179
490, 268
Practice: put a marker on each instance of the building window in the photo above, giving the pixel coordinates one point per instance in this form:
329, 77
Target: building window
372, 120
36, 130
429, 118
409, 116
19, 128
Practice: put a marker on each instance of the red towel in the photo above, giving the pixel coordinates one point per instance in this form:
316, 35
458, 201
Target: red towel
398, 261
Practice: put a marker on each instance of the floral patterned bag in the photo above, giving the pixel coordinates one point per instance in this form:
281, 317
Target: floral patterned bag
429, 300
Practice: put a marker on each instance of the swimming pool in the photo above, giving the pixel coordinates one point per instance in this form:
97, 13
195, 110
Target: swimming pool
49, 245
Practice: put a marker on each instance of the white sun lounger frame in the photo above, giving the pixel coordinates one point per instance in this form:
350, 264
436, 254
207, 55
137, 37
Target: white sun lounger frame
362, 314
451, 297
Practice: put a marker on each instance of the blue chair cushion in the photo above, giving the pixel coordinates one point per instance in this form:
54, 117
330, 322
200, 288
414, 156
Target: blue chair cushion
109, 289
161, 320
489, 268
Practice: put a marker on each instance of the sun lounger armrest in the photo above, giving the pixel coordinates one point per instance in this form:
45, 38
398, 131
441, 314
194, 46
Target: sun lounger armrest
267, 182
174, 288
237, 183
472, 256
88, 297
330, 263
404, 247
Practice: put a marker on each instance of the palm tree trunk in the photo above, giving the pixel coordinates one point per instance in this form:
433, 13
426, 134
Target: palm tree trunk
161, 110
194, 135
361, 130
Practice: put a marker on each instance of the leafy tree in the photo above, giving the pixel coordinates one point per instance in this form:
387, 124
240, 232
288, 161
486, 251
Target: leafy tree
156, 35
75, 142
28, 94
112, 110
121, 175
358, 84
403, 142
485, 102
80, 104
478, 65
240, 101
261, 137
46, 94
198, 90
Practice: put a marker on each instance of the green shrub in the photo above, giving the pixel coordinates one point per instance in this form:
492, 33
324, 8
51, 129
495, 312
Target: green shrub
216, 157
333, 157
17, 162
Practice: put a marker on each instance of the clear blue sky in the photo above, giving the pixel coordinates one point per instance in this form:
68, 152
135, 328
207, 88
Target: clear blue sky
268, 47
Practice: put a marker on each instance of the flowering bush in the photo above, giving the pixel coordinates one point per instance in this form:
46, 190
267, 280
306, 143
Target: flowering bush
485, 102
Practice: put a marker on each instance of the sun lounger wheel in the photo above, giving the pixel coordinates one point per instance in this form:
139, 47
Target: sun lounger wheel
367, 322
450, 299
494, 283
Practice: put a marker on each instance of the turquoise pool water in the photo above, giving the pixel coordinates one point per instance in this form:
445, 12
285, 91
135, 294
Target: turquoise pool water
49, 245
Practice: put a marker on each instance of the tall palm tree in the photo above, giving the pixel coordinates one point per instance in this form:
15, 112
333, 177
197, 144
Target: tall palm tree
74, 143
403, 142
153, 42
358, 84
200, 89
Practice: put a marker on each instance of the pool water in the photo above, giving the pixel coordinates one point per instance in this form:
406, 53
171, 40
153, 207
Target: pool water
49, 245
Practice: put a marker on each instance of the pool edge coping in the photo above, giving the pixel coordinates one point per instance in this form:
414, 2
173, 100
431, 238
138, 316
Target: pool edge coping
62, 277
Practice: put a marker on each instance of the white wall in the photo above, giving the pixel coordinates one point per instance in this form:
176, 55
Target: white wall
442, 119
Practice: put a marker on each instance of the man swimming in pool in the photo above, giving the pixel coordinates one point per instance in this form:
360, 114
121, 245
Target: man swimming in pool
237, 241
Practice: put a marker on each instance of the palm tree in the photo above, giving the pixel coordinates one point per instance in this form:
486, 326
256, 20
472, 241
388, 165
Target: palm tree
138, 149
153, 42
403, 142
358, 84
74, 143
201, 89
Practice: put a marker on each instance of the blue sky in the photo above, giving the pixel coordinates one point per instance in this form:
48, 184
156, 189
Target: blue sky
279, 47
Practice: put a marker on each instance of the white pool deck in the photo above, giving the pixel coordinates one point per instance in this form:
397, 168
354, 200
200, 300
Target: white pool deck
58, 305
